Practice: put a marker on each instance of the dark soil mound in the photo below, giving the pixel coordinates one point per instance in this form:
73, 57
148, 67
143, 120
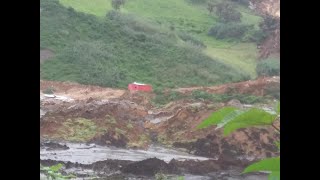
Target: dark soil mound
150, 167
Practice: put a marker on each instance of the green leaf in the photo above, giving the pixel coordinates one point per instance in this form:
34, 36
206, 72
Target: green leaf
252, 117
269, 164
274, 175
56, 168
216, 117
229, 117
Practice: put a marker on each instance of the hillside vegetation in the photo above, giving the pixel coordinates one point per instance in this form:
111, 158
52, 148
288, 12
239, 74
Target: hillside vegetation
161, 42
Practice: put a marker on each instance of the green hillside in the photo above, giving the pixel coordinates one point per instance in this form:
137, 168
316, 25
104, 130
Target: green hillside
148, 41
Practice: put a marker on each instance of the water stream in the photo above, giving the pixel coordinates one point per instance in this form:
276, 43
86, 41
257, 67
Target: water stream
88, 154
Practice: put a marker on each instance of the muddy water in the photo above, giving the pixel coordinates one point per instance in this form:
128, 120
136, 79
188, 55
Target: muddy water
88, 154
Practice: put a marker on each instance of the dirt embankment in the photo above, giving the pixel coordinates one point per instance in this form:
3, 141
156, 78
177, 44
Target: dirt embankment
258, 87
122, 119
116, 122
180, 131
80, 92
271, 45
147, 169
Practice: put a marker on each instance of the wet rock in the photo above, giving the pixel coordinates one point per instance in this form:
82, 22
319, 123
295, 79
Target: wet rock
149, 167
202, 147
196, 167
53, 146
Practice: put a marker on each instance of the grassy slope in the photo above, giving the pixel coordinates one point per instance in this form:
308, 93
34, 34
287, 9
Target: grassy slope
106, 52
184, 16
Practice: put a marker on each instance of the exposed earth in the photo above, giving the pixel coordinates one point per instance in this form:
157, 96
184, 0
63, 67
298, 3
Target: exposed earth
131, 138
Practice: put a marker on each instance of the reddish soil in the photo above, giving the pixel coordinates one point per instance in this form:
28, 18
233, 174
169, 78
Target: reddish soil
79, 91
131, 125
256, 87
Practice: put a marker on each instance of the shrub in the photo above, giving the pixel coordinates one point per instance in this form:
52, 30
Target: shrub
132, 22
268, 67
255, 36
243, 98
229, 30
197, 1
268, 26
269, 23
226, 12
202, 95
189, 38
242, 2
164, 98
116, 4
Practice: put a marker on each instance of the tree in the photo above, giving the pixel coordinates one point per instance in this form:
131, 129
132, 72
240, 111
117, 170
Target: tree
227, 12
269, 24
116, 4
231, 119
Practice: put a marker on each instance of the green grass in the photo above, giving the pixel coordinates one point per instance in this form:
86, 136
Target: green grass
113, 53
186, 17
243, 58
95, 7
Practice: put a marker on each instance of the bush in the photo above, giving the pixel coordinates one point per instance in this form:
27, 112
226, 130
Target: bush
132, 22
268, 26
268, 67
243, 98
116, 4
229, 30
242, 2
197, 1
269, 23
165, 98
226, 12
255, 36
189, 38
202, 95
